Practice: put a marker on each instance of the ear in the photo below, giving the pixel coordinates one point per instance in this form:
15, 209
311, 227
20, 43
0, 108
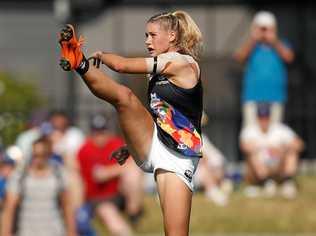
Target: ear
172, 36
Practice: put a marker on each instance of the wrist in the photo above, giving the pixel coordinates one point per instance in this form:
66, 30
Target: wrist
276, 43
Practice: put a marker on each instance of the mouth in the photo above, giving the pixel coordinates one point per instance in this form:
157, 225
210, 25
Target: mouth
150, 50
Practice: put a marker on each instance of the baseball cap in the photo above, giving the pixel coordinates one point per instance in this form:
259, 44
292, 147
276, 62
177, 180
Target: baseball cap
98, 122
263, 110
6, 159
264, 19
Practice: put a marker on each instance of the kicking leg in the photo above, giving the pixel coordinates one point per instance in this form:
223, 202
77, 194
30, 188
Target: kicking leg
135, 121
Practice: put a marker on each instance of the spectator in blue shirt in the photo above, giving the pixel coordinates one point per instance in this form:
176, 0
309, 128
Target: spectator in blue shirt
7, 165
265, 76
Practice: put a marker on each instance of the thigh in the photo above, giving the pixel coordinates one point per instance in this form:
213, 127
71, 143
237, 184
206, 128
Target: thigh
135, 121
137, 125
277, 112
176, 205
249, 113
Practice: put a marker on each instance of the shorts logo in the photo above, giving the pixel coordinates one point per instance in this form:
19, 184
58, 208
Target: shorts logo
188, 174
182, 146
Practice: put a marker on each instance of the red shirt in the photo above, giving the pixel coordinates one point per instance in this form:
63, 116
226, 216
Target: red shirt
91, 156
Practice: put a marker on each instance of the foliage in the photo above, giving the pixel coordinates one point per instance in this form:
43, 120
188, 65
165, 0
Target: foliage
17, 100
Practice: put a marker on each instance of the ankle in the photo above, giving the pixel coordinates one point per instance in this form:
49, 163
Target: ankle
83, 66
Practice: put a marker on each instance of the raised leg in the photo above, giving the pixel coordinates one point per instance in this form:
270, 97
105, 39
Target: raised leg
135, 121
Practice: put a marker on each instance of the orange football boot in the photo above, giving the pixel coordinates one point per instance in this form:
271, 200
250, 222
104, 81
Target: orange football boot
71, 54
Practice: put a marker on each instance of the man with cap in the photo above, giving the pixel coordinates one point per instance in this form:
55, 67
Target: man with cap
7, 166
265, 77
102, 176
271, 151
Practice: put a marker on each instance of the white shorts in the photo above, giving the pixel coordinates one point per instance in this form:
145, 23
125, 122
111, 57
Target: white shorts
161, 157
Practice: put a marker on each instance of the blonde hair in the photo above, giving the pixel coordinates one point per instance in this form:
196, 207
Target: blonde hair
189, 36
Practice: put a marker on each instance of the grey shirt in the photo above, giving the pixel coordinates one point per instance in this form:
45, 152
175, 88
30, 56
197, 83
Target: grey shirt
39, 212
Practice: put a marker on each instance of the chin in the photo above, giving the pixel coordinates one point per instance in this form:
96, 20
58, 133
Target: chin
153, 54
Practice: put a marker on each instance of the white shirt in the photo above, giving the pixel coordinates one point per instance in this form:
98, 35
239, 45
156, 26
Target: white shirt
277, 135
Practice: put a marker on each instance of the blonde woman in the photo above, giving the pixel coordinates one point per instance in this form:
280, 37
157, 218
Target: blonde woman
166, 139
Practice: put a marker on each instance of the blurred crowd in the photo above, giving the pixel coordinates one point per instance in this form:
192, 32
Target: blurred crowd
55, 173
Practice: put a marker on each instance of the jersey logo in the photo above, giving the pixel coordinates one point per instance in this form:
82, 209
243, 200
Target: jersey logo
162, 82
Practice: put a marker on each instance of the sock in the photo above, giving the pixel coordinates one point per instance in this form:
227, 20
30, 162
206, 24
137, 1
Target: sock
83, 66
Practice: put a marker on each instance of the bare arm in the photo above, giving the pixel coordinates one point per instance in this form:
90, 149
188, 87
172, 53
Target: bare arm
244, 51
285, 52
297, 145
68, 211
8, 214
105, 173
122, 64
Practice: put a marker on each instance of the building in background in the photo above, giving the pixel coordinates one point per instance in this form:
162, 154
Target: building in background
28, 48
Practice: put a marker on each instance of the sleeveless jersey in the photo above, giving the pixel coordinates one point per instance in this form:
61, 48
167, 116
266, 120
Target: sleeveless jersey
177, 113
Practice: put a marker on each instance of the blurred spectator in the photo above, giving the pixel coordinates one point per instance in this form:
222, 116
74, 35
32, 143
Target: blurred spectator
33, 132
210, 174
101, 176
7, 165
265, 77
34, 195
272, 151
66, 141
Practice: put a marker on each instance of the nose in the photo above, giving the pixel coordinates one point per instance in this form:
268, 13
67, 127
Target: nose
148, 41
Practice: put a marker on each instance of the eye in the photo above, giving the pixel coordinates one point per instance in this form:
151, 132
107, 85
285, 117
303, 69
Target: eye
146, 35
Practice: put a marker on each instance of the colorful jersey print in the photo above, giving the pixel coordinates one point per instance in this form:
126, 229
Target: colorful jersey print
177, 126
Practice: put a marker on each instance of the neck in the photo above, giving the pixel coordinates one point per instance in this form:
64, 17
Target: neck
173, 49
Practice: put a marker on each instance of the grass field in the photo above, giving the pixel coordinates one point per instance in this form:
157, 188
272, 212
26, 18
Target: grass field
243, 216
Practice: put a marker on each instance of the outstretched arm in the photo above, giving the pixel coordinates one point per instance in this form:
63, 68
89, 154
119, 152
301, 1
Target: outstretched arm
123, 64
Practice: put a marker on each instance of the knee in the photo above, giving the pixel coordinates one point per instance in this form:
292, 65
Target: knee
125, 98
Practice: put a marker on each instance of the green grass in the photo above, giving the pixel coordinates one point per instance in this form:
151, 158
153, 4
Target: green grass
243, 216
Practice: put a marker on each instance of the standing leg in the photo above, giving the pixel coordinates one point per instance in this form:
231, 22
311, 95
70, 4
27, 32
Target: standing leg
175, 205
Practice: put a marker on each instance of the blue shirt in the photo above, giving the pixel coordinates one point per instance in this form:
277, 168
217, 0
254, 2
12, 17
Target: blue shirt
3, 182
265, 78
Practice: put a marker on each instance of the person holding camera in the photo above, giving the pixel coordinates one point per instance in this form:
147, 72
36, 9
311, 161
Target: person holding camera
265, 77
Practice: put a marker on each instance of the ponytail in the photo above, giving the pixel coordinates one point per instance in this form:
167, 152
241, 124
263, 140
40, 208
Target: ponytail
189, 36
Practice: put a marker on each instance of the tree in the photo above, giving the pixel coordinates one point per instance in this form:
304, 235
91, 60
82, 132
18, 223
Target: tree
17, 100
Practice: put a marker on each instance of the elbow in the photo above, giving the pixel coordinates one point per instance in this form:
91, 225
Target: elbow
289, 58
239, 58
120, 66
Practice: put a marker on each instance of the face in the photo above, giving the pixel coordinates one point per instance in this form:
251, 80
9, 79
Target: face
59, 122
264, 123
40, 154
100, 137
158, 40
